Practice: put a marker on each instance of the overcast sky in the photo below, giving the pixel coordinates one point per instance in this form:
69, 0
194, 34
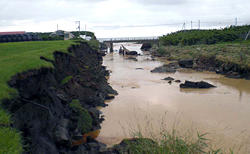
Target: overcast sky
121, 18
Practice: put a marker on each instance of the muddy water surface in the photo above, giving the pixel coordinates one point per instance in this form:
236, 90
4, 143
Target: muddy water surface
147, 102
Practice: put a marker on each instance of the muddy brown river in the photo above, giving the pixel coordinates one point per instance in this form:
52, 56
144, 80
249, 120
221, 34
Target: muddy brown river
145, 102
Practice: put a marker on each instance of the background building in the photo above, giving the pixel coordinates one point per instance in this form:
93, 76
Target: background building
63, 34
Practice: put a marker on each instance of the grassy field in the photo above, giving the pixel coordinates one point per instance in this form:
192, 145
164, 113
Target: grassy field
15, 58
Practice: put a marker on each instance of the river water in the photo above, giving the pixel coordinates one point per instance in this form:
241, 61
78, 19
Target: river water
145, 102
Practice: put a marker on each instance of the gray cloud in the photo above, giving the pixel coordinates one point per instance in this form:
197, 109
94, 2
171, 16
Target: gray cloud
122, 13
160, 2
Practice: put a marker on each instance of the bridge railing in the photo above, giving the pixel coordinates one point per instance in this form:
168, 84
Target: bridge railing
129, 39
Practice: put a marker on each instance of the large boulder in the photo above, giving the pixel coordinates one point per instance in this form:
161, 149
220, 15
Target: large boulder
196, 85
132, 53
168, 78
186, 63
146, 46
166, 68
131, 58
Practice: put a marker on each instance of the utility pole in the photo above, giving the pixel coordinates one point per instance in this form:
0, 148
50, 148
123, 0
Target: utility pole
78, 22
199, 24
183, 26
191, 25
85, 31
235, 21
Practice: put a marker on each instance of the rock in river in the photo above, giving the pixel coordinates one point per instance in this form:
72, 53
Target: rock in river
166, 68
199, 85
146, 46
131, 58
132, 53
168, 78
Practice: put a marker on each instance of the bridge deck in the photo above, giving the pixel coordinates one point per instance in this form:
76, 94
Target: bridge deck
131, 40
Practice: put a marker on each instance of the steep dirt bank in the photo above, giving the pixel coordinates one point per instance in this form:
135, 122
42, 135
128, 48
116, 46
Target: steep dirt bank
55, 107
231, 60
229, 69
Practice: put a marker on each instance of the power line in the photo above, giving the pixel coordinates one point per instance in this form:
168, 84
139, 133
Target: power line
156, 25
232, 22
117, 26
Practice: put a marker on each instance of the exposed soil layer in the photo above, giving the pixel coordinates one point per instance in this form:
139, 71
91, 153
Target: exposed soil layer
44, 110
230, 70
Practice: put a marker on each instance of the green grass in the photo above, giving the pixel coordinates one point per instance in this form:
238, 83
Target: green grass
4, 118
10, 141
84, 121
66, 80
16, 58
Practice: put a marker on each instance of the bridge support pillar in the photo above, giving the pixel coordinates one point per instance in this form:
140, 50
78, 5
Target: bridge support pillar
111, 47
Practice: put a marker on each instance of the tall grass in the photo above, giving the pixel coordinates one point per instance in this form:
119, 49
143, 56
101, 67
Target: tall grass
168, 141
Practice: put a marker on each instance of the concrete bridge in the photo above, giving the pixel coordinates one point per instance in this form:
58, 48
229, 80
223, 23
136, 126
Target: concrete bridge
142, 40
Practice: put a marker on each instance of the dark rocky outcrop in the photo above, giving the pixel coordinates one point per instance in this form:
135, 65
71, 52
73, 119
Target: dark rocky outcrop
186, 63
55, 107
234, 75
132, 53
211, 63
166, 68
199, 85
139, 68
177, 81
131, 58
146, 46
168, 78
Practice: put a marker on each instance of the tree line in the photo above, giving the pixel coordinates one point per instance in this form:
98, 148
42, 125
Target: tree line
212, 36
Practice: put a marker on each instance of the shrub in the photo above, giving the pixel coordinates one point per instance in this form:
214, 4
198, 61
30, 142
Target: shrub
66, 80
84, 121
161, 50
192, 37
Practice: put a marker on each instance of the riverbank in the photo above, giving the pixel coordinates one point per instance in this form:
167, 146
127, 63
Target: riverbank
16, 58
229, 59
55, 106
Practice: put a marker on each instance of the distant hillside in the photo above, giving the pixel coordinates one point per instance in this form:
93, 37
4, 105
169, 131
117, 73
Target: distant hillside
192, 37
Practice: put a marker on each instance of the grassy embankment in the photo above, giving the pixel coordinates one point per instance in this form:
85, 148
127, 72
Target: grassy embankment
221, 47
15, 58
